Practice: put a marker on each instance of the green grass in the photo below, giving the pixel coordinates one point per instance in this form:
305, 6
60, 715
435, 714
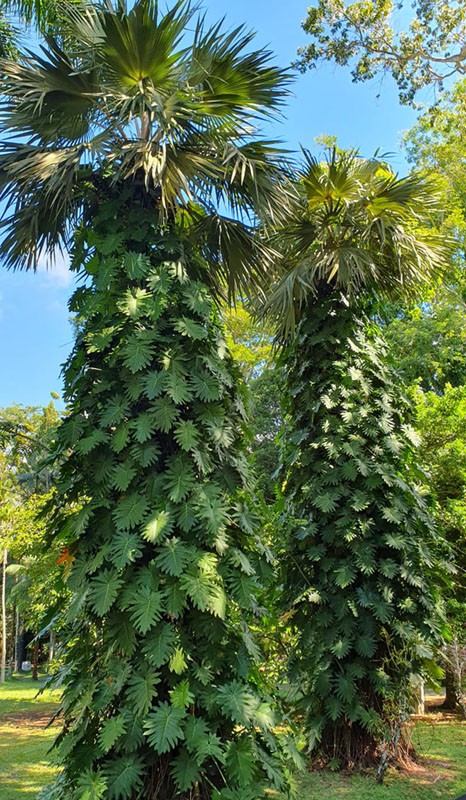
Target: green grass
25, 766
441, 743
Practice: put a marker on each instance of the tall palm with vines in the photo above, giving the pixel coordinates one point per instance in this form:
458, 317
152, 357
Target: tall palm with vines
360, 556
123, 139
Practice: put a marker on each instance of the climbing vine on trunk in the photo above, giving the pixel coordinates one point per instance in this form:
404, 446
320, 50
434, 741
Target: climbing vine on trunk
362, 551
162, 692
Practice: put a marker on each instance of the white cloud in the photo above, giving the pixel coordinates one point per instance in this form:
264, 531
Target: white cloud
55, 269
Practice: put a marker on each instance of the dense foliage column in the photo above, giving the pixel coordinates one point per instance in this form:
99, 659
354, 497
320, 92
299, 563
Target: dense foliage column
162, 692
358, 562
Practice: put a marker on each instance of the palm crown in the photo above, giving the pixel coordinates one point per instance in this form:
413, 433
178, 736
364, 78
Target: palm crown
133, 95
357, 229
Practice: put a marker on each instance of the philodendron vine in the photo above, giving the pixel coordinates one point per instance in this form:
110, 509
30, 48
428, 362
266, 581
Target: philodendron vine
162, 692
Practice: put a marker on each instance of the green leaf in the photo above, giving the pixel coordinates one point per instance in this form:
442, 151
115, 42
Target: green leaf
264, 717
204, 592
195, 729
144, 426
146, 454
243, 588
179, 477
185, 516
110, 731
160, 645
201, 742
136, 265
180, 695
326, 502
121, 437
344, 575
141, 690
89, 443
221, 433
333, 707
163, 727
125, 548
104, 590
197, 299
135, 303
185, 771
165, 413
138, 352
122, 475
145, 608
174, 555
191, 328
91, 786
211, 508
154, 384
186, 435
157, 524
121, 632
205, 387
341, 647
240, 761
125, 776
130, 511
237, 702
178, 388
177, 662
133, 737
110, 243
72, 429
174, 598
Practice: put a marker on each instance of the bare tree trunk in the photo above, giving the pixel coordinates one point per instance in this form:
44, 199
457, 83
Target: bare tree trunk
3, 661
51, 648
35, 657
453, 679
17, 639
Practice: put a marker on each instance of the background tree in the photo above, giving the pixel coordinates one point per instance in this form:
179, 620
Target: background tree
375, 37
359, 560
427, 342
441, 422
250, 341
32, 578
149, 134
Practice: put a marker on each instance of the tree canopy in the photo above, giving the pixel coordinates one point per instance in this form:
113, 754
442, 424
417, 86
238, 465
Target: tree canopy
419, 44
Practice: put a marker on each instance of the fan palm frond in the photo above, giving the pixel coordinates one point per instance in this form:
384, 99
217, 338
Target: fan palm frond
357, 228
131, 93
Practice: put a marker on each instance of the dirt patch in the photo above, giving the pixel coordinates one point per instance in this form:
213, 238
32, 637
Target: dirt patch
426, 772
28, 719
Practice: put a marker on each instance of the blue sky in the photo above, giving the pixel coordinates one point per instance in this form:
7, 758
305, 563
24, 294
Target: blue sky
35, 335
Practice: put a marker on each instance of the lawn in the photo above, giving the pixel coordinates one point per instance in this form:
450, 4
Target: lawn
24, 740
25, 766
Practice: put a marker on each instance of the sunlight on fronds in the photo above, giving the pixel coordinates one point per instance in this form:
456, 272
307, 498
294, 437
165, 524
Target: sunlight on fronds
358, 229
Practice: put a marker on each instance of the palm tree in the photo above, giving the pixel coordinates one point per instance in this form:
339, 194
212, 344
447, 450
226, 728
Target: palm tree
358, 562
125, 139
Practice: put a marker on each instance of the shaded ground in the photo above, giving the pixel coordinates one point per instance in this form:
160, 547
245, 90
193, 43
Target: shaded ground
440, 740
